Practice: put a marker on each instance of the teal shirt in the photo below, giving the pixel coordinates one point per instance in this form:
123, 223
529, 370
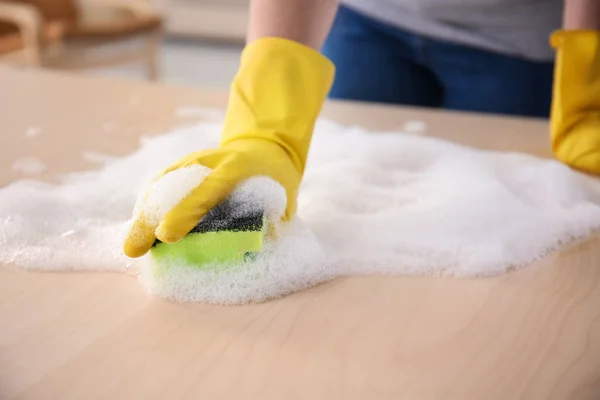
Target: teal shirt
514, 27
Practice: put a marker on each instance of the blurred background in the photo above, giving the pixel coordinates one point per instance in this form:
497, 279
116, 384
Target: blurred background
191, 42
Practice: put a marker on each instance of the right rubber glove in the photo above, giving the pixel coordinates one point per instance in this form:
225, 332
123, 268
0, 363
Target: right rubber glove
274, 102
575, 116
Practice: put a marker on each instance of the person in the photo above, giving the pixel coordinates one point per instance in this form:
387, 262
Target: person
284, 79
488, 56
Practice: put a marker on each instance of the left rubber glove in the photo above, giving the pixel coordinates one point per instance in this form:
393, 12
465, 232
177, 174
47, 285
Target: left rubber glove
575, 116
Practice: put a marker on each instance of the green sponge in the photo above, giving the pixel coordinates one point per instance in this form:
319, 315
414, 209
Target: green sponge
219, 238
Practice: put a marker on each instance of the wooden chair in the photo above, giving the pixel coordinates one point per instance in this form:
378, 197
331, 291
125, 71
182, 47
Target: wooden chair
67, 34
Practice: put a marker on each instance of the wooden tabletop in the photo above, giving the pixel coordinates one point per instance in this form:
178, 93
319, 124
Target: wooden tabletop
532, 334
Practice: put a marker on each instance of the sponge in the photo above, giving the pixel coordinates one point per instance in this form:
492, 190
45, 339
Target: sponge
224, 236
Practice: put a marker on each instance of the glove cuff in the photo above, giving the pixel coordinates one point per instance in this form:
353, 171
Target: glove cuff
559, 37
277, 95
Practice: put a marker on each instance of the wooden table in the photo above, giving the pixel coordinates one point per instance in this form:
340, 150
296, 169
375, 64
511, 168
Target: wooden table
533, 334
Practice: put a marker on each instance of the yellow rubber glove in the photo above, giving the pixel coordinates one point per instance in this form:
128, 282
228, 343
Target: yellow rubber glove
575, 117
274, 102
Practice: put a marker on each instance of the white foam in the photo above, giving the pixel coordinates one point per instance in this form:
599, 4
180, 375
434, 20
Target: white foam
295, 262
415, 127
165, 193
109, 126
33, 131
29, 165
370, 202
258, 193
96, 157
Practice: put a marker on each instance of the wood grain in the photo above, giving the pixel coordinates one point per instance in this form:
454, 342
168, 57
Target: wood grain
531, 334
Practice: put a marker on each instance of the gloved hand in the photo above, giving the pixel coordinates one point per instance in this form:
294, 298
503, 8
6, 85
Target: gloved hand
575, 116
274, 102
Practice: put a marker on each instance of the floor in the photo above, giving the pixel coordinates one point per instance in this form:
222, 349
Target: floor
189, 62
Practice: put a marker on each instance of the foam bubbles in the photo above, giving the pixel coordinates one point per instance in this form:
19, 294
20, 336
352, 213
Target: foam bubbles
109, 126
33, 132
29, 165
259, 193
415, 127
167, 192
370, 203
294, 262
96, 157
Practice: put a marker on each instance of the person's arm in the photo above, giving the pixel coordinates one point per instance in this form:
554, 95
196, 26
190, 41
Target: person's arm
581, 15
304, 21
274, 101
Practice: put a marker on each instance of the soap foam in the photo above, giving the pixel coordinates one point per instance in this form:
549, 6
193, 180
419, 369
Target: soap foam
33, 131
294, 262
415, 127
370, 203
29, 165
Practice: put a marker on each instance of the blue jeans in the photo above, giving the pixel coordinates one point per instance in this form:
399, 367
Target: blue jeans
376, 62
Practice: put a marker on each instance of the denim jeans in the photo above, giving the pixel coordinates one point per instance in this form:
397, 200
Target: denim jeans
376, 62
